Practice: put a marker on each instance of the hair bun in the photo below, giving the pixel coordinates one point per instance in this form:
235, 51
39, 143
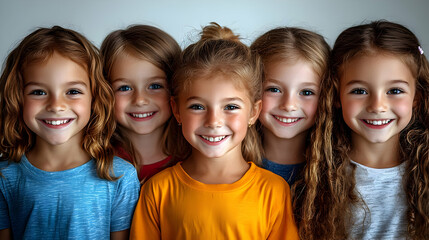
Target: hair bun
216, 32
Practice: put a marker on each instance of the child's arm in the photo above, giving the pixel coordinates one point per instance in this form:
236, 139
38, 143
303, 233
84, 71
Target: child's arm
145, 223
120, 235
5, 234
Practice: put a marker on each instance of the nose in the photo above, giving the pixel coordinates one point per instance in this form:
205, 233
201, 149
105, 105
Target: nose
289, 103
140, 99
56, 104
377, 104
214, 119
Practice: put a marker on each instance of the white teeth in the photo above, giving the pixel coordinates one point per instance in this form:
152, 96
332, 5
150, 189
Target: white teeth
56, 122
213, 139
377, 122
142, 115
286, 120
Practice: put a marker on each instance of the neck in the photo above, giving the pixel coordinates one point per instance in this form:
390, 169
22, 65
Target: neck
148, 147
375, 155
275, 148
223, 170
54, 158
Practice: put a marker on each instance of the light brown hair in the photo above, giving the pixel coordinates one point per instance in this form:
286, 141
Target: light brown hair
150, 44
39, 46
218, 52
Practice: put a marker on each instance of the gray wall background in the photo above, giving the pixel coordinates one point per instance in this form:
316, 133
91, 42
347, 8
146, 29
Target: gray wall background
183, 19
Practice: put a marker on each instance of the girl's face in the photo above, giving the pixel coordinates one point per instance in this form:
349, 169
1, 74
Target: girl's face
289, 100
377, 96
215, 115
57, 100
141, 95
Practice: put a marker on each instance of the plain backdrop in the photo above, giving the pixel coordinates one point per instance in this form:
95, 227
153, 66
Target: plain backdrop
184, 19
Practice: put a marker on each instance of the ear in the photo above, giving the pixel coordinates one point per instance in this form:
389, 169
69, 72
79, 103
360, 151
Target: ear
175, 109
256, 110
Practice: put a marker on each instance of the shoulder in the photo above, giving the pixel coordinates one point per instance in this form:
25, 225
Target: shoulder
123, 168
9, 169
270, 180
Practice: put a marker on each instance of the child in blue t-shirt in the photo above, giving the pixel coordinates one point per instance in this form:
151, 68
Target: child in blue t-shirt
59, 178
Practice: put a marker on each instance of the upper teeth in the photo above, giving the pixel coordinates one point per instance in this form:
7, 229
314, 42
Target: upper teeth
286, 120
57, 122
377, 122
213, 139
141, 115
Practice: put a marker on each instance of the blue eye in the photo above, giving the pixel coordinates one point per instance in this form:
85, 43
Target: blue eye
273, 89
306, 92
231, 107
155, 86
37, 92
74, 92
359, 91
124, 88
395, 91
196, 107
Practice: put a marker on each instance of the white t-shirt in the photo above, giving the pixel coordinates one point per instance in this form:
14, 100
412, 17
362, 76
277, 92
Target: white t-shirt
383, 216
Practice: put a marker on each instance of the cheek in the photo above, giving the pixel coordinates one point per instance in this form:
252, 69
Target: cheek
29, 111
268, 103
404, 108
120, 104
310, 108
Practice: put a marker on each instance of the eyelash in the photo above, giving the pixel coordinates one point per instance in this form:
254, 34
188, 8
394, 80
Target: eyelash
155, 86
229, 107
37, 92
397, 90
358, 91
306, 92
273, 89
124, 88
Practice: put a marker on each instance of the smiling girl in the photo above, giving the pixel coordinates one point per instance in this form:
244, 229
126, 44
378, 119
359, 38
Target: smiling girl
139, 63
217, 192
59, 178
373, 178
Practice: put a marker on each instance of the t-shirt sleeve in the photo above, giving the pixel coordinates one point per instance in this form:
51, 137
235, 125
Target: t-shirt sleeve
146, 216
125, 200
284, 226
4, 212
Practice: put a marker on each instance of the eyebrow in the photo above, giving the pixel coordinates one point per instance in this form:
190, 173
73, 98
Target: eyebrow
72, 83
279, 82
224, 99
128, 80
390, 81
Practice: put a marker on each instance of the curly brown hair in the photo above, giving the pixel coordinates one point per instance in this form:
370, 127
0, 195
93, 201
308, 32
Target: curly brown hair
329, 190
39, 46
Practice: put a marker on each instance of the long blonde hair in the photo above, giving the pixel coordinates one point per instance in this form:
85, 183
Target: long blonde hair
219, 51
16, 137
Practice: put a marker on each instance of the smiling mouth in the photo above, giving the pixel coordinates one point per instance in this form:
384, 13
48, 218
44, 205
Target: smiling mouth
213, 139
56, 122
377, 122
141, 115
286, 120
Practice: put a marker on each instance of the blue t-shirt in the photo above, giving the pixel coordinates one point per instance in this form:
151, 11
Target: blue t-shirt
287, 171
70, 204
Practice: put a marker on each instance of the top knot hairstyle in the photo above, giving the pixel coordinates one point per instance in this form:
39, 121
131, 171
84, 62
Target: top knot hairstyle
38, 47
218, 52
329, 178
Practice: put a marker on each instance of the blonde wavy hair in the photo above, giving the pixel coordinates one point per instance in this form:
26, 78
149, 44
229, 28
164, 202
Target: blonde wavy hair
329, 190
39, 46
218, 52
150, 44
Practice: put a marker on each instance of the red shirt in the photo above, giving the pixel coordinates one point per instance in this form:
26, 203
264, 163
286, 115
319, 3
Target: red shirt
146, 171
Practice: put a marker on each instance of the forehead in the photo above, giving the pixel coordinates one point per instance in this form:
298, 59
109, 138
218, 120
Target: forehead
376, 67
217, 86
55, 67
